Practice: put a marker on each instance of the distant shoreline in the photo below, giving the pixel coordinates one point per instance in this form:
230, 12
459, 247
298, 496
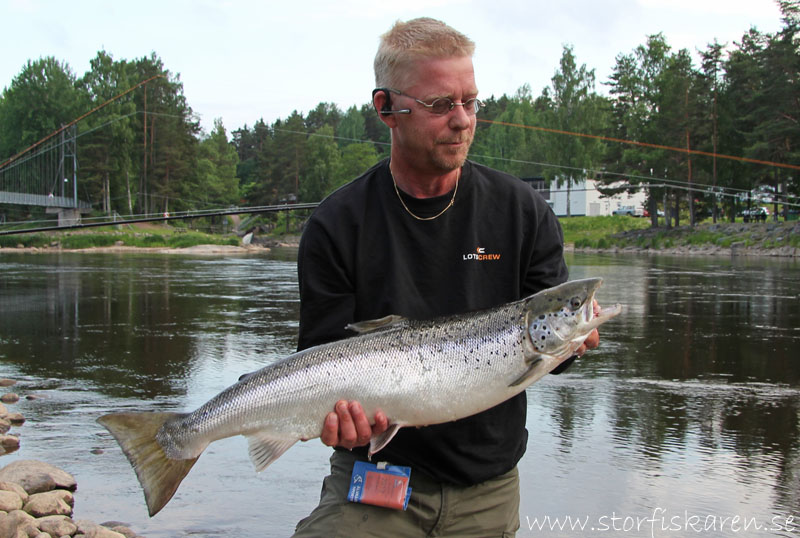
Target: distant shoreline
196, 249
697, 250
214, 250
753, 240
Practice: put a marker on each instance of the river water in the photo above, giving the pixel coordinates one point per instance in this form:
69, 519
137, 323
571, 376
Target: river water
686, 421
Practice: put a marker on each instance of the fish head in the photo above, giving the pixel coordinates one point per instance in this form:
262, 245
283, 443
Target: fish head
559, 319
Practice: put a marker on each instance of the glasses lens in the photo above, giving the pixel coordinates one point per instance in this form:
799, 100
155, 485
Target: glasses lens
441, 106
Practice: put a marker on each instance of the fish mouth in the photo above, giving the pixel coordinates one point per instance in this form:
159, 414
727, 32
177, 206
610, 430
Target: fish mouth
589, 321
607, 313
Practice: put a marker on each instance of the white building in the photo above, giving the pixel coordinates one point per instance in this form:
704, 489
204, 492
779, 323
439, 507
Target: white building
584, 198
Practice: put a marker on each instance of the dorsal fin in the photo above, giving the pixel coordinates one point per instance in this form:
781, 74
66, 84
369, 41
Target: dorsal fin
370, 325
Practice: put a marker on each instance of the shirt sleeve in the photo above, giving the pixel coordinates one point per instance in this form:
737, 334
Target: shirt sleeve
327, 293
546, 267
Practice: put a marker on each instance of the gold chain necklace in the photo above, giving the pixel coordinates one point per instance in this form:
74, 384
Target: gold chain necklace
436, 216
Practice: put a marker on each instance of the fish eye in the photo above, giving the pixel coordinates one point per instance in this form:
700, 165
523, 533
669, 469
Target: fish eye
575, 302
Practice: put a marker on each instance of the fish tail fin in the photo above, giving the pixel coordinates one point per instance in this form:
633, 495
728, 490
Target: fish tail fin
158, 474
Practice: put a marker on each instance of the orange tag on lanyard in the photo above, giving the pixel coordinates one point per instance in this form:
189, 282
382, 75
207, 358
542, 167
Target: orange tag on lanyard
380, 485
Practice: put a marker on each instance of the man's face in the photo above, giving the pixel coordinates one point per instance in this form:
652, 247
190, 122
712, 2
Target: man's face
428, 142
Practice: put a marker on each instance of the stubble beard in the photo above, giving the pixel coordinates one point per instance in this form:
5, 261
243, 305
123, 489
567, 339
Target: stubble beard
448, 159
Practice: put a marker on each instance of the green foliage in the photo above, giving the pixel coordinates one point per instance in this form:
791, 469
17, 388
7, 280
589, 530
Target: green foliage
24, 240
87, 240
146, 153
215, 182
587, 231
39, 100
321, 167
190, 239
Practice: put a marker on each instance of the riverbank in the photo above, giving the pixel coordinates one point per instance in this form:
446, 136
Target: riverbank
764, 239
36, 498
617, 234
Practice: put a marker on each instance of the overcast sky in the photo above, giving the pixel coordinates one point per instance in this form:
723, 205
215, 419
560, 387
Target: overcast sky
245, 60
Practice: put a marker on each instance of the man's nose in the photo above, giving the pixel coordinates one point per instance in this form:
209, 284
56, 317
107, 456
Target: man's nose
459, 119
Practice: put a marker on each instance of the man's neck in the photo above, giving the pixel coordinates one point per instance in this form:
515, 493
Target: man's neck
421, 184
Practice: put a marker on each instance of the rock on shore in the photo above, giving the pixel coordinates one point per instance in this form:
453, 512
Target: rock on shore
36, 498
36, 501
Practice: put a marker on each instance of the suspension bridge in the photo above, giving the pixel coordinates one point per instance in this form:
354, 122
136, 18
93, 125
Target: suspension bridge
46, 174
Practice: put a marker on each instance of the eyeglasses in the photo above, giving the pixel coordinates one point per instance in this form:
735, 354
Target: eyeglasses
442, 105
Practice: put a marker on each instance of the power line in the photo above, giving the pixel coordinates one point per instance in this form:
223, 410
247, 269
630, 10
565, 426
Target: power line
643, 144
79, 118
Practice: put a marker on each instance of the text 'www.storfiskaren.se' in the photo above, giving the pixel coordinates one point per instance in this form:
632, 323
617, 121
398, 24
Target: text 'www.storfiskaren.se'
662, 523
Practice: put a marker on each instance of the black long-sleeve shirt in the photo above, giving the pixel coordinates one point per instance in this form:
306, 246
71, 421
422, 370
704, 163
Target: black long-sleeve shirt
362, 256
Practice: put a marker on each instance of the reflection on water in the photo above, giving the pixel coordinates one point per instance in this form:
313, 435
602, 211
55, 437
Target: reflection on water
690, 408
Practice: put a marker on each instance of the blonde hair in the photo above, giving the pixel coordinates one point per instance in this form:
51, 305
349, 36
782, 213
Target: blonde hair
418, 38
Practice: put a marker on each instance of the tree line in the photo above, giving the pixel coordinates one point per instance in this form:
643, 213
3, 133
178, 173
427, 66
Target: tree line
145, 152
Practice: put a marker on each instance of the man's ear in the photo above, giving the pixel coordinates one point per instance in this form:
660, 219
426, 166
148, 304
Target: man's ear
383, 103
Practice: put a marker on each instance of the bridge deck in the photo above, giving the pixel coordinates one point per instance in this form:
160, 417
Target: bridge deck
40, 200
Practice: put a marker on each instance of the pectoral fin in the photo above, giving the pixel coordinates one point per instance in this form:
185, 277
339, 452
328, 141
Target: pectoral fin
377, 443
527, 373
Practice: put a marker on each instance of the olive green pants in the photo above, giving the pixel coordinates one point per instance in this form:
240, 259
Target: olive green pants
435, 509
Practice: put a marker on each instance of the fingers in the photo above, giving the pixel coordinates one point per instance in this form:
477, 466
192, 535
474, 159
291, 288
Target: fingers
348, 425
381, 423
357, 431
593, 340
330, 430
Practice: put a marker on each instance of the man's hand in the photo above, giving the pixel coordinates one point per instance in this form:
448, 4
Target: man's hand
348, 426
593, 340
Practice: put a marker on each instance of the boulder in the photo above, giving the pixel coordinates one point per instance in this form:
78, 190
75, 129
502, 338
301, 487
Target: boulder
57, 525
91, 529
8, 443
18, 524
5, 425
127, 532
5, 382
15, 418
10, 501
36, 476
3, 410
9, 397
58, 502
16, 488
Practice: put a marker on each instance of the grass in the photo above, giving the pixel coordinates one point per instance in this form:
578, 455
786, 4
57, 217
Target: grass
596, 231
160, 237
604, 235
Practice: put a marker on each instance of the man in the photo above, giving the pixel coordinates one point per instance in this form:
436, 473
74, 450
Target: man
423, 234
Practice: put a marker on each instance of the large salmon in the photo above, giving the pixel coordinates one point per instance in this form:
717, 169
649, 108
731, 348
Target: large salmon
417, 372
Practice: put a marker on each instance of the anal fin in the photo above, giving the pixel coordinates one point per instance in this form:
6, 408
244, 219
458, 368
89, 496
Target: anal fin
265, 448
